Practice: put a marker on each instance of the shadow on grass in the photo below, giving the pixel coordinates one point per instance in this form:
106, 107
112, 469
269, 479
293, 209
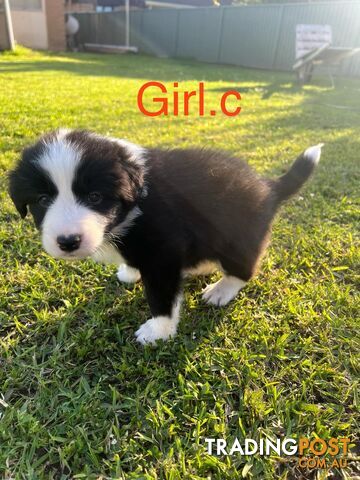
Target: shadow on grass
267, 89
133, 68
141, 66
146, 67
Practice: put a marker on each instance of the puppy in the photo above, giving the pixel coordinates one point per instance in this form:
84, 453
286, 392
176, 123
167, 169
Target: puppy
160, 214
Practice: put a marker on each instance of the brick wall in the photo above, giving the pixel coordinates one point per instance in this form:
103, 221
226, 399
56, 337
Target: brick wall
55, 20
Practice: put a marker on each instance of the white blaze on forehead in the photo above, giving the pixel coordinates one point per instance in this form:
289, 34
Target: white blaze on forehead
60, 160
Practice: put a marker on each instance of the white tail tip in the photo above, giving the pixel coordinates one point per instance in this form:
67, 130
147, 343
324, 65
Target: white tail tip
314, 153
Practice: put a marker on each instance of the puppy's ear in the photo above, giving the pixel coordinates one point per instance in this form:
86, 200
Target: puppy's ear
21, 208
17, 193
130, 169
131, 182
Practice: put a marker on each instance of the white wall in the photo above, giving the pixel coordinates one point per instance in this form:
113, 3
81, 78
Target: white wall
30, 28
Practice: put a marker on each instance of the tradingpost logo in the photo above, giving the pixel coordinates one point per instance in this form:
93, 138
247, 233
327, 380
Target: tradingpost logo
310, 453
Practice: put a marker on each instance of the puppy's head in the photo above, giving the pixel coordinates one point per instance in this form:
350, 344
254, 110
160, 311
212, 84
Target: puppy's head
78, 186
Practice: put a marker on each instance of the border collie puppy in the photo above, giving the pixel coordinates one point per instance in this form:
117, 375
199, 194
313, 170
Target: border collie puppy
160, 214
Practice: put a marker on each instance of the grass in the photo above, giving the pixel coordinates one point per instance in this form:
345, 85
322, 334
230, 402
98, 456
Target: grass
79, 398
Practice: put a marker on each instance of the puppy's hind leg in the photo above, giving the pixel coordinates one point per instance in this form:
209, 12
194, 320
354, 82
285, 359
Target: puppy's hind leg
223, 291
236, 276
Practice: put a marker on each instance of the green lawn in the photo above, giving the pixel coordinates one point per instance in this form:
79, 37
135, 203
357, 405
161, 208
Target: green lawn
79, 397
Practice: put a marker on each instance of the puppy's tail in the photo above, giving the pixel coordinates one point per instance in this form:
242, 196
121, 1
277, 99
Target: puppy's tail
300, 171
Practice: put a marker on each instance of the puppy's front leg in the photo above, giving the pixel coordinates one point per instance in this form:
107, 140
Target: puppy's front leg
128, 274
163, 294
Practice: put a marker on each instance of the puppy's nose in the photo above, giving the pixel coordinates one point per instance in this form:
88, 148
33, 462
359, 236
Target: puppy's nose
69, 243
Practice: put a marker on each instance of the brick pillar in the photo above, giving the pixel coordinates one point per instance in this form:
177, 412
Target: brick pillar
55, 21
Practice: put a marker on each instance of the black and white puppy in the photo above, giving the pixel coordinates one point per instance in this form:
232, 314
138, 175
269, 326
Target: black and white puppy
160, 214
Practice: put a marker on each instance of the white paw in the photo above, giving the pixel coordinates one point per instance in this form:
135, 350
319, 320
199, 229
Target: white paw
156, 328
128, 274
221, 292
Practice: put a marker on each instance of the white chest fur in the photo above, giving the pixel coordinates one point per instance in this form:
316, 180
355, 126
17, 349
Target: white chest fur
108, 254
204, 268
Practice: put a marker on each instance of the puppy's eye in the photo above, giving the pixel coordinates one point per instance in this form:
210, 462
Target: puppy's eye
44, 200
94, 198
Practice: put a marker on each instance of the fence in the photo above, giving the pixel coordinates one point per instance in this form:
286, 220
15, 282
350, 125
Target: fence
259, 36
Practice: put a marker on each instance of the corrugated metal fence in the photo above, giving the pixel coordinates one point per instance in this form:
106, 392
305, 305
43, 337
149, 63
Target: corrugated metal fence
260, 36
